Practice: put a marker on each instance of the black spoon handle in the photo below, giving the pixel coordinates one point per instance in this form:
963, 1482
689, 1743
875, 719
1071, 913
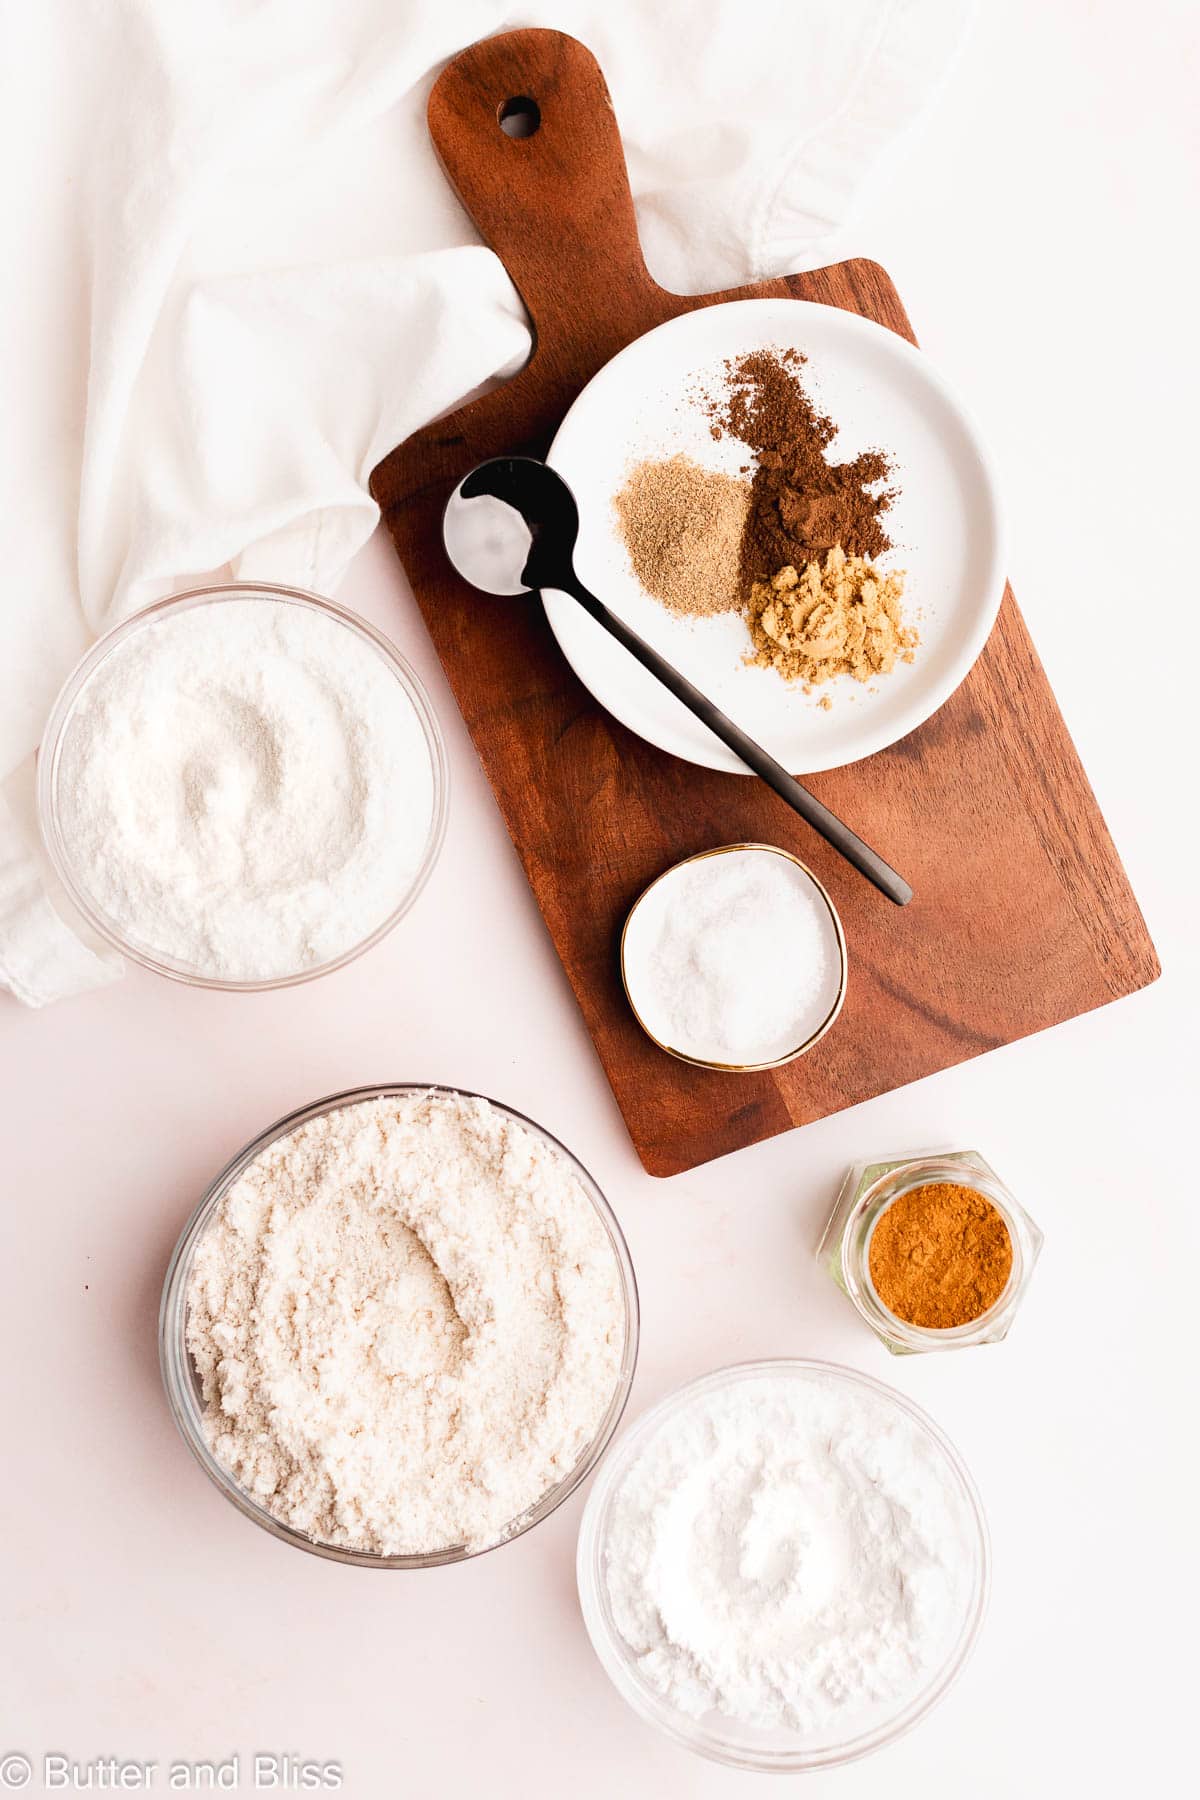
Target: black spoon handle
830, 827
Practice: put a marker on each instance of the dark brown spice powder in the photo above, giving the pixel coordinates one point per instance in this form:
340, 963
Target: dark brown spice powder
940, 1255
801, 504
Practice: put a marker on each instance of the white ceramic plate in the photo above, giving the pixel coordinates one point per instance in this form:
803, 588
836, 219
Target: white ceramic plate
945, 526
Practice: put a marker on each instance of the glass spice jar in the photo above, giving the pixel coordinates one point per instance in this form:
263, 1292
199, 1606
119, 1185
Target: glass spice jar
868, 1190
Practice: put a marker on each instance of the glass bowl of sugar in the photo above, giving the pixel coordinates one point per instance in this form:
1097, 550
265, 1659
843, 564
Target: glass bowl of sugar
783, 1566
242, 787
735, 959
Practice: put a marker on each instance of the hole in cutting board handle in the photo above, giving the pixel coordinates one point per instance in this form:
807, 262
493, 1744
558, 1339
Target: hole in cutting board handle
519, 117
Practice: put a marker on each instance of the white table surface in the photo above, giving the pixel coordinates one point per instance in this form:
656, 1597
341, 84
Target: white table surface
1042, 234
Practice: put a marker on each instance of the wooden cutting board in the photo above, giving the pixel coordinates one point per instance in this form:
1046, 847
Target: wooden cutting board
1023, 916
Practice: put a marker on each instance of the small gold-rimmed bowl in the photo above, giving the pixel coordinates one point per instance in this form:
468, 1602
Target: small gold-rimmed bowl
641, 920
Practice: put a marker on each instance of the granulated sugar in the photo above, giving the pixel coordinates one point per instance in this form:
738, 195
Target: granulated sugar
790, 1552
408, 1322
245, 789
734, 958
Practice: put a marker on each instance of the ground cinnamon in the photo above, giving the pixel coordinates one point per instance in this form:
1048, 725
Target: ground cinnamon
940, 1255
801, 503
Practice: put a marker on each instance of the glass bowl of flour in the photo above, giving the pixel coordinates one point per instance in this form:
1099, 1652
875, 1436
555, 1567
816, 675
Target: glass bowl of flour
400, 1328
783, 1566
243, 787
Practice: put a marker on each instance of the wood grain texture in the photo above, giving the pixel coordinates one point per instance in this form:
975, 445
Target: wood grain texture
1023, 916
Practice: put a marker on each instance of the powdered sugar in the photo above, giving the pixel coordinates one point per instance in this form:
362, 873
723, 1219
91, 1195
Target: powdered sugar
790, 1551
245, 789
408, 1323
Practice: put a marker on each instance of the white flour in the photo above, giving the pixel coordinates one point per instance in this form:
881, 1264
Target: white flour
789, 1552
245, 789
735, 958
408, 1324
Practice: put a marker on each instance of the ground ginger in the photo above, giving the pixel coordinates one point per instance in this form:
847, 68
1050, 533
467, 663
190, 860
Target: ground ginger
842, 616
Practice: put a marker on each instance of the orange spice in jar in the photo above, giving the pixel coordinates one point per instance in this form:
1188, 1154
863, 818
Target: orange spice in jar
940, 1255
933, 1250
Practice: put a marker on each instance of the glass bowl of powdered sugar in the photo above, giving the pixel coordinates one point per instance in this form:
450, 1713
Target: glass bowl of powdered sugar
242, 787
784, 1565
400, 1328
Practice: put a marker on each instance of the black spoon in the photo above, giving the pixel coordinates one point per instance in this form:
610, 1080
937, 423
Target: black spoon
511, 526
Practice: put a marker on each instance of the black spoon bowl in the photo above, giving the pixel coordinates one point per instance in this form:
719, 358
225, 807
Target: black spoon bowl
511, 526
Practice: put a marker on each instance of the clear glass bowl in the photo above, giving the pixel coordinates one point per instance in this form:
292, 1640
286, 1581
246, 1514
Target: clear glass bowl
725, 1740
183, 1384
50, 759
867, 1192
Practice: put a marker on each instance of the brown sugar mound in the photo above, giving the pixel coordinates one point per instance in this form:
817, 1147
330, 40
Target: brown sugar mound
842, 616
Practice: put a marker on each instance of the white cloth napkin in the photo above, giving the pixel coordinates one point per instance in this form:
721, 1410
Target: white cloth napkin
237, 278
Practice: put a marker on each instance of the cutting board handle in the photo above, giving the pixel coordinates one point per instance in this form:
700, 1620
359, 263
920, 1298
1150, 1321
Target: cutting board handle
554, 204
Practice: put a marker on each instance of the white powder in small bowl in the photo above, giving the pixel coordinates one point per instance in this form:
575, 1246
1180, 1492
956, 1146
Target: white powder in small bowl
734, 957
408, 1321
787, 1549
244, 789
